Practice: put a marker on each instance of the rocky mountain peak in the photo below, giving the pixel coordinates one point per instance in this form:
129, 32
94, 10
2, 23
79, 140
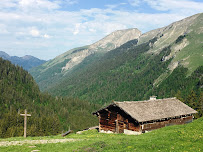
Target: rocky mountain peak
116, 39
27, 57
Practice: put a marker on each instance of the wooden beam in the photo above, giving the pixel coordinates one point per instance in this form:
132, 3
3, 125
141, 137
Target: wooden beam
117, 126
99, 123
25, 122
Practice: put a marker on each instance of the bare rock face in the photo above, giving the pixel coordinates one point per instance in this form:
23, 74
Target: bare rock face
116, 39
106, 44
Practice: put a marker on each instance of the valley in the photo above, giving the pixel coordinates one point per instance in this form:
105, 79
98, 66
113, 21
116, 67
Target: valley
101, 76
126, 65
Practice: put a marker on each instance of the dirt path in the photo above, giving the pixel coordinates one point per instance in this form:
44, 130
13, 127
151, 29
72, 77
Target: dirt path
10, 143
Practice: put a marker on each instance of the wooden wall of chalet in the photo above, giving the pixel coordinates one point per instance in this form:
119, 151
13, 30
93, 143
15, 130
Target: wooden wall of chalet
107, 121
116, 120
175, 121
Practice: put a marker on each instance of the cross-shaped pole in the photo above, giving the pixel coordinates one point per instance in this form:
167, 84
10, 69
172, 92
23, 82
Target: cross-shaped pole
25, 121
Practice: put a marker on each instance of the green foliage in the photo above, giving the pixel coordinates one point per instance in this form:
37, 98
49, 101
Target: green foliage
50, 75
121, 74
180, 38
187, 89
18, 91
78, 50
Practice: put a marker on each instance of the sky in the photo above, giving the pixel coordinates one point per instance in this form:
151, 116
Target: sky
48, 28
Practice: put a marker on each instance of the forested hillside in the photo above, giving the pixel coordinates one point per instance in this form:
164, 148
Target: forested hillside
128, 73
53, 71
50, 116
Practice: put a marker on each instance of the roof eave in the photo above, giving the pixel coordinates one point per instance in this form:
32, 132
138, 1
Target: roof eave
96, 112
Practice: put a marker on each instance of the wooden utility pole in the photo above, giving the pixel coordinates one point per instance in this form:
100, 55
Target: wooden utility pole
25, 121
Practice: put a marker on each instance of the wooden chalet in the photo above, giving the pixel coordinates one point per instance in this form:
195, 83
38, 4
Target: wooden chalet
141, 116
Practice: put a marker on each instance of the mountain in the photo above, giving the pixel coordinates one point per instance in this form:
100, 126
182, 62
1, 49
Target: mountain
49, 115
4, 55
165, 62
27, 62
53, 71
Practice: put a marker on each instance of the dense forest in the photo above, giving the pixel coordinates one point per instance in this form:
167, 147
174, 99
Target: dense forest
186, 88
49, 115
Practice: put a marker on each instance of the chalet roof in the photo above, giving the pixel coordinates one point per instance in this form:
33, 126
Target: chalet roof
156, 109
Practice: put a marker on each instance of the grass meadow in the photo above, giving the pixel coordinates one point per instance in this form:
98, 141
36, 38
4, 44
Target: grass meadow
180, 138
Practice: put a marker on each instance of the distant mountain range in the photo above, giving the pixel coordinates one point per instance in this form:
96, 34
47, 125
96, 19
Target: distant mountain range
128, 65
27, 62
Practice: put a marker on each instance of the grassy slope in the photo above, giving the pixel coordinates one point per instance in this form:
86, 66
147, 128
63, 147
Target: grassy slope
192, 55
187, 137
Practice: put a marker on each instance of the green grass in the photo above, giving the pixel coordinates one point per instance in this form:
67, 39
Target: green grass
183, 138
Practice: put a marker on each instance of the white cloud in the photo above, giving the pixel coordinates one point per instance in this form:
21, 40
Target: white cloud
77, 29
34, 32
115, 5
25, 24
134, 2
8, 4
165, 5
71, 2
46, 36
101, 27
3, 29
186, 7
38, 4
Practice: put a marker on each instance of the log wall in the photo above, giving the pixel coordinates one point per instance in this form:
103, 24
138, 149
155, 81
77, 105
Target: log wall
175, 121
134, 127
116, 121
107, 121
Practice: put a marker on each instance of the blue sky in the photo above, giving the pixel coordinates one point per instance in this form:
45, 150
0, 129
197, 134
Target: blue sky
47, 28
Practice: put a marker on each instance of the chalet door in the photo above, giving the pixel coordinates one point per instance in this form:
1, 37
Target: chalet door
119, 126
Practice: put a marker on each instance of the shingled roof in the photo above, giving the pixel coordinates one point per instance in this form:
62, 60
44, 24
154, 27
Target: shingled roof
156, 109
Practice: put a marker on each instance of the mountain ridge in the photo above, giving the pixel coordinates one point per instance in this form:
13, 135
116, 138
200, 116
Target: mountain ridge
138, 68
27, 61
66, 62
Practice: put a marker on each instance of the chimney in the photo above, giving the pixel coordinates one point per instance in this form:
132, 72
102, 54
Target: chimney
152, 98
